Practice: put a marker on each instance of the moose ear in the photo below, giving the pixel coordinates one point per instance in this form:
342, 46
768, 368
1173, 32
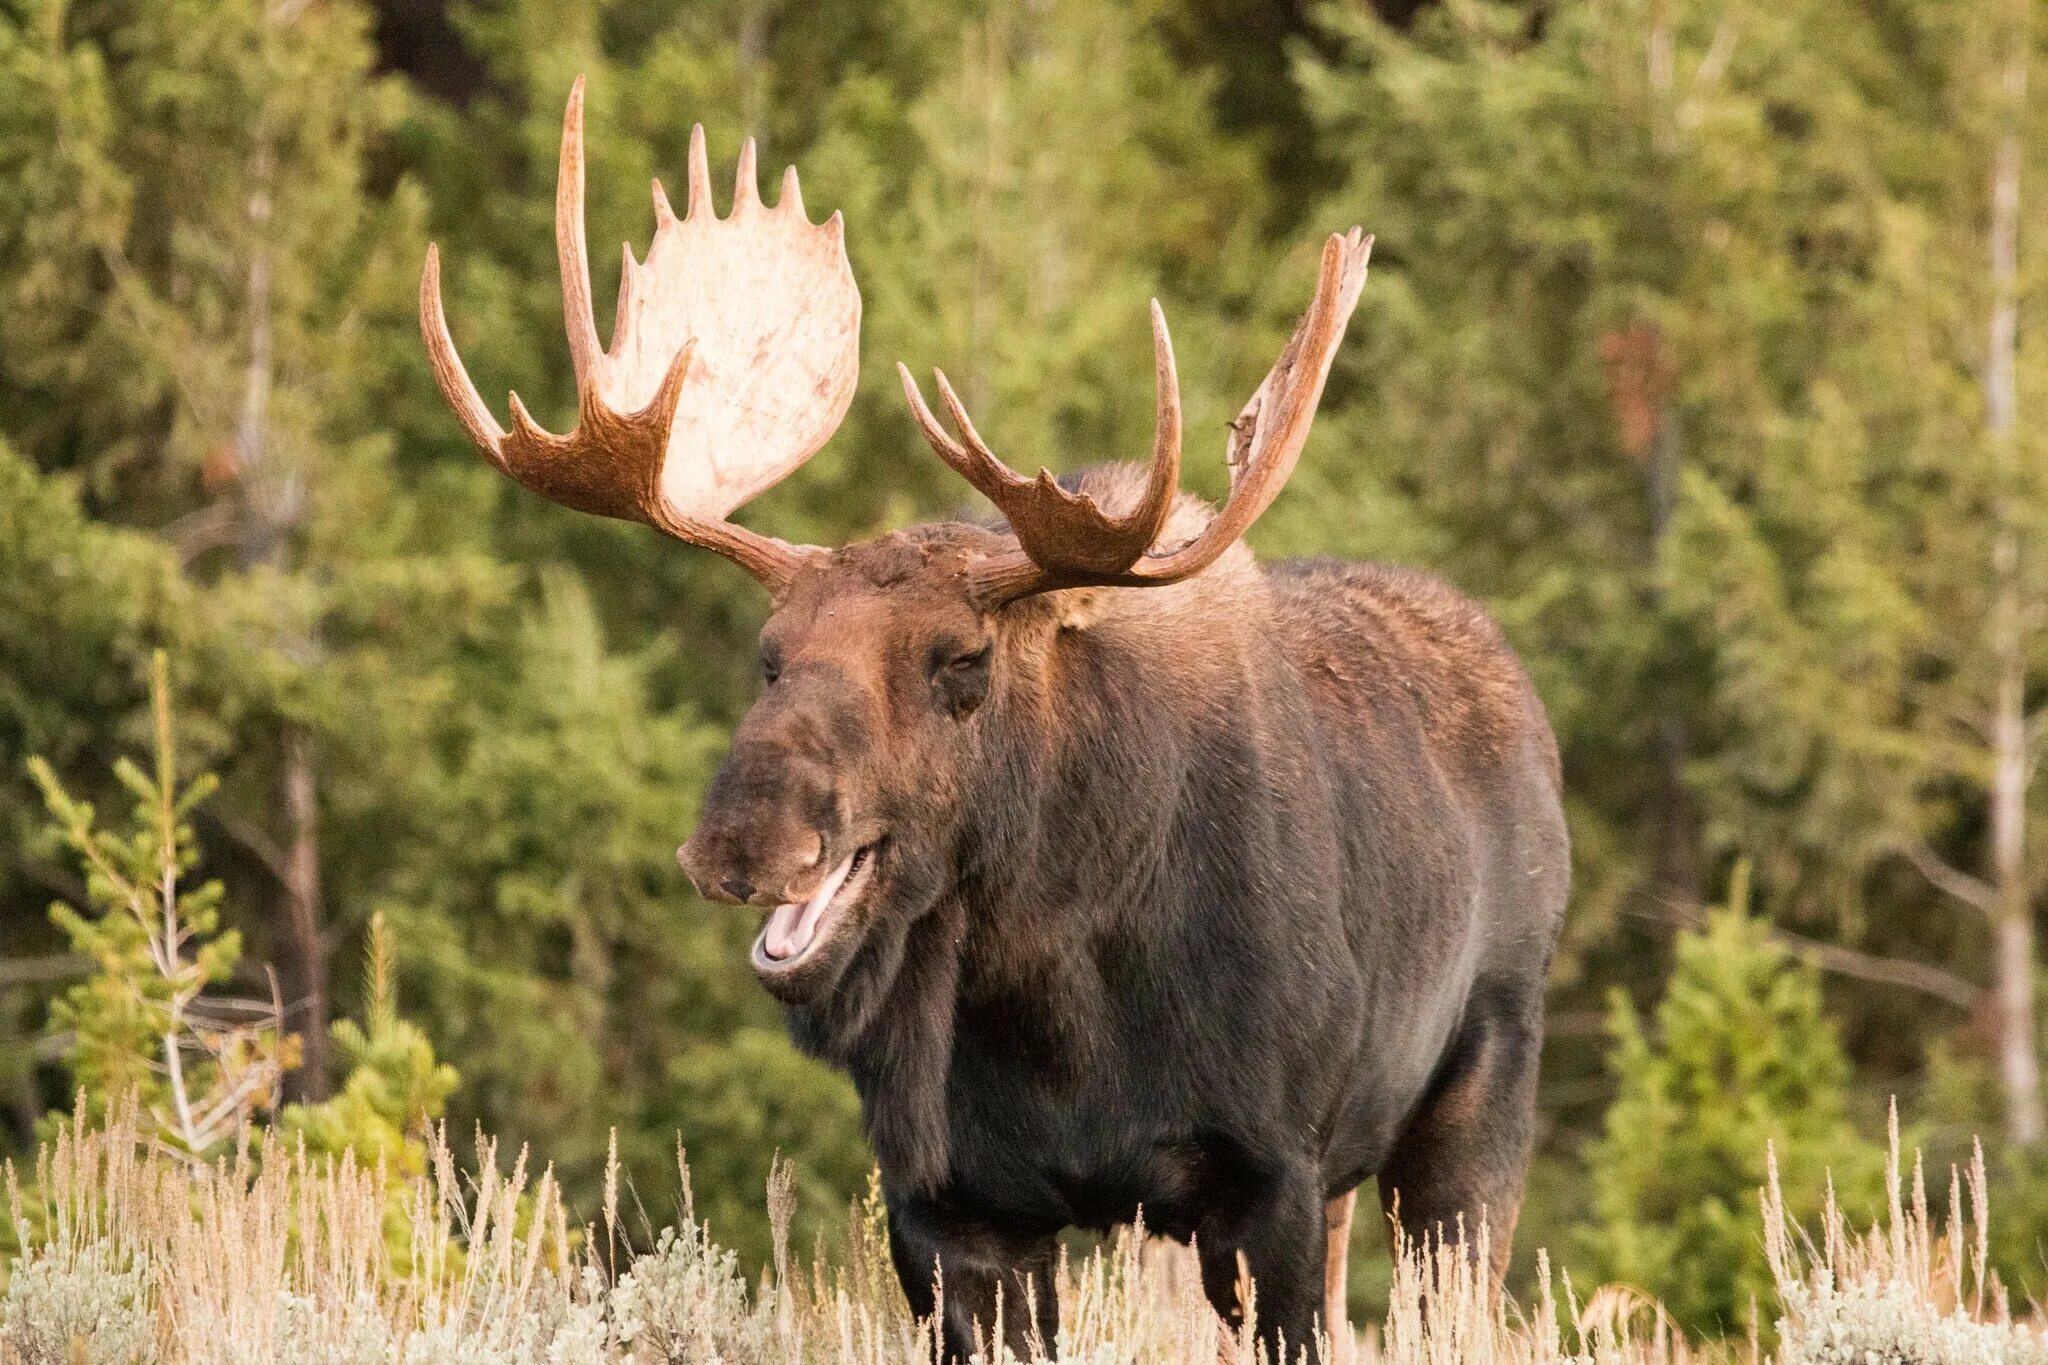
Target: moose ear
1078, 608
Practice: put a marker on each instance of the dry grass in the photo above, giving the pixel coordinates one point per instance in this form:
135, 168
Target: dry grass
134, 1257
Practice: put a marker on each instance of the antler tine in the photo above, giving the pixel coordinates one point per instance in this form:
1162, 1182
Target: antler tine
700, 176
1066, 540
449, 371
1164, 484
629, 294
1268, 435
980, 466
792, 198
745, 192
734, 357
571, 251
971, 458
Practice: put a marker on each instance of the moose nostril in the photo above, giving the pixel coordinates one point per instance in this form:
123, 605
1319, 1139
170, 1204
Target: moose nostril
739, 888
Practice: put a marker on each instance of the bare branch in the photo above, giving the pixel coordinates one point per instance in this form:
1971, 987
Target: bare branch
1714, 65
32, 971
252, 839
1575, 1024
1851, 962
204, 528
1884, 971
1946, 877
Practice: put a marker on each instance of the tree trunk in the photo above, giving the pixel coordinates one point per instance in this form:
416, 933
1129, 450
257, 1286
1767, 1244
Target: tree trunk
1675, 856
302, 910
1675, 874
266, 511
2019, 1063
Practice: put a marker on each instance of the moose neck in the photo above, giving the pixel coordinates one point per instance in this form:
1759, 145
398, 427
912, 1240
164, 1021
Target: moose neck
1064, 823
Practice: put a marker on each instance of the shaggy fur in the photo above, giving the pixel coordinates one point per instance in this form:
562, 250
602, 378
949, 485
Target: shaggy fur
1213, 899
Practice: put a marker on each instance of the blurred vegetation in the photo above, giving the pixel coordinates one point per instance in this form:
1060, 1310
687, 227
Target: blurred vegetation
1682, 350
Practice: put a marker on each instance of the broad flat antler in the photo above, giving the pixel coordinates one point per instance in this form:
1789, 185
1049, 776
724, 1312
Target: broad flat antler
1067, 541
732, 361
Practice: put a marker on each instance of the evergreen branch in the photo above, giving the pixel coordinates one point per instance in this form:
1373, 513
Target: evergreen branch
74, 820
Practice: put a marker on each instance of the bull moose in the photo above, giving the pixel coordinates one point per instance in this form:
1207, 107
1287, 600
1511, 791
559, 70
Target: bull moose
1120, 871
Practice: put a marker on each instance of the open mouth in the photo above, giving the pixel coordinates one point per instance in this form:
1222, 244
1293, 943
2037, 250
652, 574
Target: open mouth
793, 931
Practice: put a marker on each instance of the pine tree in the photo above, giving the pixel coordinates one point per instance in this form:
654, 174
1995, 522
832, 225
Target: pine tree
199, 250
1741, 1062
394, 1086
150, 1025
1707, 286
1877, 659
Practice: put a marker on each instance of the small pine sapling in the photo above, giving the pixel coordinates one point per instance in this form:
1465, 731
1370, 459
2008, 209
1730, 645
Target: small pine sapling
395, 1085
149, 1020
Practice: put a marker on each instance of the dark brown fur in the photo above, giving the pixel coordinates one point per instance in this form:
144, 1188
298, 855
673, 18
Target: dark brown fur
1214, 899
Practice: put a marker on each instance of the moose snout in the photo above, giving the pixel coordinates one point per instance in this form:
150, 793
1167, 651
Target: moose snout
725, 888
719, 868
759, 842
736, 867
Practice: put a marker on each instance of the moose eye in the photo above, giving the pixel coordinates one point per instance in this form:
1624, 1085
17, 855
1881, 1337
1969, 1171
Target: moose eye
960, 677
771, 666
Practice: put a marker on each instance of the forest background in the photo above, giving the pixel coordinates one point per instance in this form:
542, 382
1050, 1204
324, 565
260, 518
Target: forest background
1702, 343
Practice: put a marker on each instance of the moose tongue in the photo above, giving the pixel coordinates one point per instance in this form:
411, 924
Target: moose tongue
792, 927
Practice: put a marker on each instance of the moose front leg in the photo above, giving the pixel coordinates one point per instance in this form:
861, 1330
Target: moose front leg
975, 1275
1277, 1234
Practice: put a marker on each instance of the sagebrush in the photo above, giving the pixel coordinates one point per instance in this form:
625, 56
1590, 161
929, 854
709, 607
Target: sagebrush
128, 1255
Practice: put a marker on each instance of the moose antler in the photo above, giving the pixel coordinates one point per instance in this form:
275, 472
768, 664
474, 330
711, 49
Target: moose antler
733, 359
1066, 540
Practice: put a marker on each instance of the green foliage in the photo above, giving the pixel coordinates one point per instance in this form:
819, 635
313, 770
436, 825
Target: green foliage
1672, 354
144, 1023
738, 1105
1740, 1061
394, 1085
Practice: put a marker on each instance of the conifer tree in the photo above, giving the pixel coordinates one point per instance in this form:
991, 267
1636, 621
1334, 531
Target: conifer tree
1683, 367
1740, 1063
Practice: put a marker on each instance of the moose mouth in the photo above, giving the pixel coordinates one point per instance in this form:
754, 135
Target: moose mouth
795, 930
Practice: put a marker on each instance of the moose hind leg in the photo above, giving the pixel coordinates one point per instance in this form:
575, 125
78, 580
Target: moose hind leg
1461, 1161
1336, 1263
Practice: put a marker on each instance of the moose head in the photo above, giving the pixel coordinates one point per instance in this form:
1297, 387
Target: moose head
733, 360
